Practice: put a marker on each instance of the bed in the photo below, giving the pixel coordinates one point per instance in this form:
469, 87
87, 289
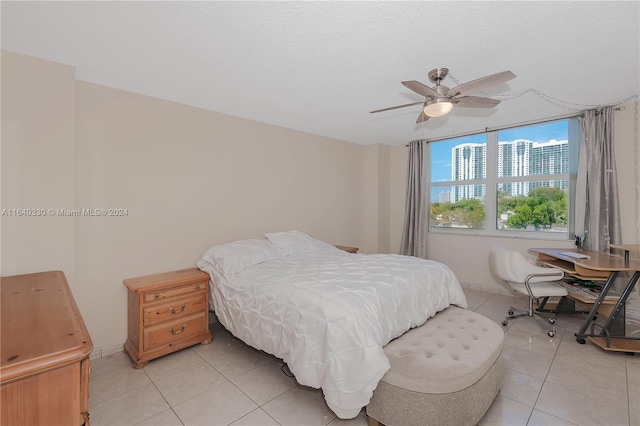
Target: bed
325, 312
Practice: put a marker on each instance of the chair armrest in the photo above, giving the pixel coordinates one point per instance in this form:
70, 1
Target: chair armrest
535, 273
545, 277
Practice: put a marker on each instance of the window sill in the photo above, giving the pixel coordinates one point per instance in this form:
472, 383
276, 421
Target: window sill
532, 235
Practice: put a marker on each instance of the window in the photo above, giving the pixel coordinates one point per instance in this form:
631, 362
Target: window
516, 180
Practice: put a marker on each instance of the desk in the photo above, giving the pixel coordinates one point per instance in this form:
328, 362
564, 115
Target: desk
602, 267
626, 248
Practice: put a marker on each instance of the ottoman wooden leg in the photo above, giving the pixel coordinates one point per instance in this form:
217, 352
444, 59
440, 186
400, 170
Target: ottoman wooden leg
374, 422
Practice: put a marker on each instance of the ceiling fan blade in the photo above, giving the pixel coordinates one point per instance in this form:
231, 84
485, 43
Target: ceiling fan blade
422, 117
395, 107
481, 83
421, 89
475, 102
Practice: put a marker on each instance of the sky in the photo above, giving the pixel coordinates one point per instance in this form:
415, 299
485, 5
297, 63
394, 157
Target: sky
441, 151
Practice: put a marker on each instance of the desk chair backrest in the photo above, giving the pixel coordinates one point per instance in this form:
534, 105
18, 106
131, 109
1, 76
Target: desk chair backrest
512, 267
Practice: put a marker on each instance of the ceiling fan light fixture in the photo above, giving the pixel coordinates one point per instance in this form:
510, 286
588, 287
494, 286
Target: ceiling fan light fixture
438, 107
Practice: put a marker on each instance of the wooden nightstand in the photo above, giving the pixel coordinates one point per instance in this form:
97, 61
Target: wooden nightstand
166, 312
348, 249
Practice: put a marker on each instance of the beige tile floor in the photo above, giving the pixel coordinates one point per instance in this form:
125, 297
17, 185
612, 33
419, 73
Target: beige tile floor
547, 381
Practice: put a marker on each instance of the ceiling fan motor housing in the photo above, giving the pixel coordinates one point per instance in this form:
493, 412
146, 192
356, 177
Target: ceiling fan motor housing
442, 90
438, 74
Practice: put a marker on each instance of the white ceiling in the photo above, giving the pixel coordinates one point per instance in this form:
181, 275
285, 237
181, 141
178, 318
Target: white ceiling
320, 67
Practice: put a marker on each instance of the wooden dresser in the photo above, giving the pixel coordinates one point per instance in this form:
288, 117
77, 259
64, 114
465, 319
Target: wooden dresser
44, 369
166, 312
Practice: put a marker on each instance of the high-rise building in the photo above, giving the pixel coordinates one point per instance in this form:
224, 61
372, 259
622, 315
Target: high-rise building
549, 158
516, 158
444, 196
468, 162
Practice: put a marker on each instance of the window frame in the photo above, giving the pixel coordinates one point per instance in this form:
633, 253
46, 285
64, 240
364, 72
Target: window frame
491, 181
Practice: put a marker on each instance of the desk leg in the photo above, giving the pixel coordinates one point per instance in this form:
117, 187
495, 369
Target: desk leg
581, 334
623, 299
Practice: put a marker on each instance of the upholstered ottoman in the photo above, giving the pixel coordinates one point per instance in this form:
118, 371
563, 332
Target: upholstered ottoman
446, 372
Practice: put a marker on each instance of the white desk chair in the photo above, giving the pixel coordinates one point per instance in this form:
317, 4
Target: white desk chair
526, 278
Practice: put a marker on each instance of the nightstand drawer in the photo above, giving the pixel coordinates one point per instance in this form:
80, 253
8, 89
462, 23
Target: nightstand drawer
172, 331
177, 309
174, 292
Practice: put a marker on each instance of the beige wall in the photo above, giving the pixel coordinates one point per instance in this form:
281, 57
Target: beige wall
378, 200
627, 149
37, 168
189, 179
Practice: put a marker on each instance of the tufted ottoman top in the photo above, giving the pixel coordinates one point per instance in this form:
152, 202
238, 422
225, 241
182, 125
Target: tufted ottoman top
448, 353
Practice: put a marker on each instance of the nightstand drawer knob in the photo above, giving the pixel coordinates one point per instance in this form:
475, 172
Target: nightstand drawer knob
173, 311
172, 331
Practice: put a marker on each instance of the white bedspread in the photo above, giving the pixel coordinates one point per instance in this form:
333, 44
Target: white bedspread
328, 315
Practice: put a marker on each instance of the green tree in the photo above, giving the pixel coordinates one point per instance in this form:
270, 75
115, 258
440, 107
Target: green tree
470, 212
506, 203
543, 208
520, 218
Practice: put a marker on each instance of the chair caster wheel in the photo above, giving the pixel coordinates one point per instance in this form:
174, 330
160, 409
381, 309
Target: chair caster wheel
552, 320
551, 333
510, 312
581, 341
505, 322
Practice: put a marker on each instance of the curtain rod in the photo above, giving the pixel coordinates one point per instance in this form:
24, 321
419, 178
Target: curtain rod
497, 129
511, 126
599, 111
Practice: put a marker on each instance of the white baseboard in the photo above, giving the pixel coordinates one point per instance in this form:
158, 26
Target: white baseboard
107, 350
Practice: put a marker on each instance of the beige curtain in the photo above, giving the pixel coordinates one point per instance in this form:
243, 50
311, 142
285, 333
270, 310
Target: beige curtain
414, 236
602, 208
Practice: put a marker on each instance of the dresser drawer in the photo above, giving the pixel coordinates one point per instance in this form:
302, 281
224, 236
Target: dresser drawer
172, 331
174, 292
176, 309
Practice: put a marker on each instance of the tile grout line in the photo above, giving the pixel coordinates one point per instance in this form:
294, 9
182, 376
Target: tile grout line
258, 406
555, 354
544, 381
165, 400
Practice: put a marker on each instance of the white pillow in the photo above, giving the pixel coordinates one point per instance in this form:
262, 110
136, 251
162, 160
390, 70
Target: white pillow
232, 258
295, 242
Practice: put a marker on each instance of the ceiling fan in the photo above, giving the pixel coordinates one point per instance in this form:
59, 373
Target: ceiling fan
440, 100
